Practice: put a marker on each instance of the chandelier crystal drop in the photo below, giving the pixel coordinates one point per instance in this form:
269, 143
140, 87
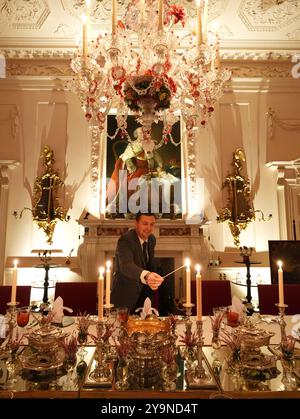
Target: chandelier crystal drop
149, 68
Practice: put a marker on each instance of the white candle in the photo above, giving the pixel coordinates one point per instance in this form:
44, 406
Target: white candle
107, 283
280, 283
205, 18
199, 25
188, 280
84, 36
160, 14
100, 293
114, 17
199, 292
14, 283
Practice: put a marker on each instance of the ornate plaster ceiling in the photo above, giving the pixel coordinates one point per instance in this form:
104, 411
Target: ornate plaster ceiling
248, 28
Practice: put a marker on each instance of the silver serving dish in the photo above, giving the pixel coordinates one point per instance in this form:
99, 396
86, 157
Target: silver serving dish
253, 337
46, 339
148, 337
42, 362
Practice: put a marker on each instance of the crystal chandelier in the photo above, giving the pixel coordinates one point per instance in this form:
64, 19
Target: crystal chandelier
149, 68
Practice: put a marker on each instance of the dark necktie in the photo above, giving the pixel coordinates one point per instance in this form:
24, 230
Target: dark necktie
145, 254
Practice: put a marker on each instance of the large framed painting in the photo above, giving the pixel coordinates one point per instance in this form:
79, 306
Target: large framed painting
139, 180
288, 251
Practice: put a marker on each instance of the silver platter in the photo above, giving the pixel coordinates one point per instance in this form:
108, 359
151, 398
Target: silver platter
42, 362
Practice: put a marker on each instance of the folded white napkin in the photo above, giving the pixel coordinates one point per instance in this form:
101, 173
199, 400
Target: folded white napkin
147, 309
58, 310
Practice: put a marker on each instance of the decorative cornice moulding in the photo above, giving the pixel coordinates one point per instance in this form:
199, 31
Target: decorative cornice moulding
61, 68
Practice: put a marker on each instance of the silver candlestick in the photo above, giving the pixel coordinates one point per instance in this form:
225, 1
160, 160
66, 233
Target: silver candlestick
281, 320
198, 375
101, 373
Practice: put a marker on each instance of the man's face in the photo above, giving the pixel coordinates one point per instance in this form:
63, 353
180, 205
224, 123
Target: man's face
145, 226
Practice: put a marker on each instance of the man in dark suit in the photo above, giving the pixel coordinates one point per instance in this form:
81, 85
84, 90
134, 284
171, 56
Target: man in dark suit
134, 277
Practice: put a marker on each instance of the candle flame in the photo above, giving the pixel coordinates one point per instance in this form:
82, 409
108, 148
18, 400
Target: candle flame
16, 263
84, 19
87, 3
279, 263
101, 270
198, 269
187, 263
108, 264
198, 3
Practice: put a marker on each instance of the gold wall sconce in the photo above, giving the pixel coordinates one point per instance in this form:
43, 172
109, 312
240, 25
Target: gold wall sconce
46, 209
239, 211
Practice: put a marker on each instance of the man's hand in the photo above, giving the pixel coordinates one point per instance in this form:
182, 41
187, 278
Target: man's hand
154, 280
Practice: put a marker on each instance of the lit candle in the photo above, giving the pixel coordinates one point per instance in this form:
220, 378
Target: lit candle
107, 283
188, 280
84, 36
205, 18
199, 25
14, 283
199, 292
280, 283
114, 17
160, 14
100, 293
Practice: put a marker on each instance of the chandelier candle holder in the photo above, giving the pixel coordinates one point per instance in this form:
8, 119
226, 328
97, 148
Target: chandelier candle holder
147, 67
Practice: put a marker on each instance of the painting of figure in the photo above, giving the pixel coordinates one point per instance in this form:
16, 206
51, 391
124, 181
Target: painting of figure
139, 179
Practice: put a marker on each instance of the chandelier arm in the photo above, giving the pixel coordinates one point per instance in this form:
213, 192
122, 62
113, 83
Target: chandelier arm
151, 73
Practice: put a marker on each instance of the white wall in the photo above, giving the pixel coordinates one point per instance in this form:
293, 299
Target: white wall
51, 115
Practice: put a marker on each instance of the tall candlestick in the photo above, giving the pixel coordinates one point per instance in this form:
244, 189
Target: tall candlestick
199, 292
160, 14
280, 283
114, 17
188, 281
100, 293
205, 18
218, 54
107, 283
84, 36
199, 25
14, 283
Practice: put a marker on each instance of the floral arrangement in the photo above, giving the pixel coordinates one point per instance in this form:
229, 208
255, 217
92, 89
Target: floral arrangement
233, 342
189, 339
108, 330
216, 321
287, 347
177, 13
44, 321
70, 348
168, 355
83, 324
148, 86
123, 347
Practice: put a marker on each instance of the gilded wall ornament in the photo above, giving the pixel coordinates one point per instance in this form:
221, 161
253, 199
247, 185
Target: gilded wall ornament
239, 211
46, 209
